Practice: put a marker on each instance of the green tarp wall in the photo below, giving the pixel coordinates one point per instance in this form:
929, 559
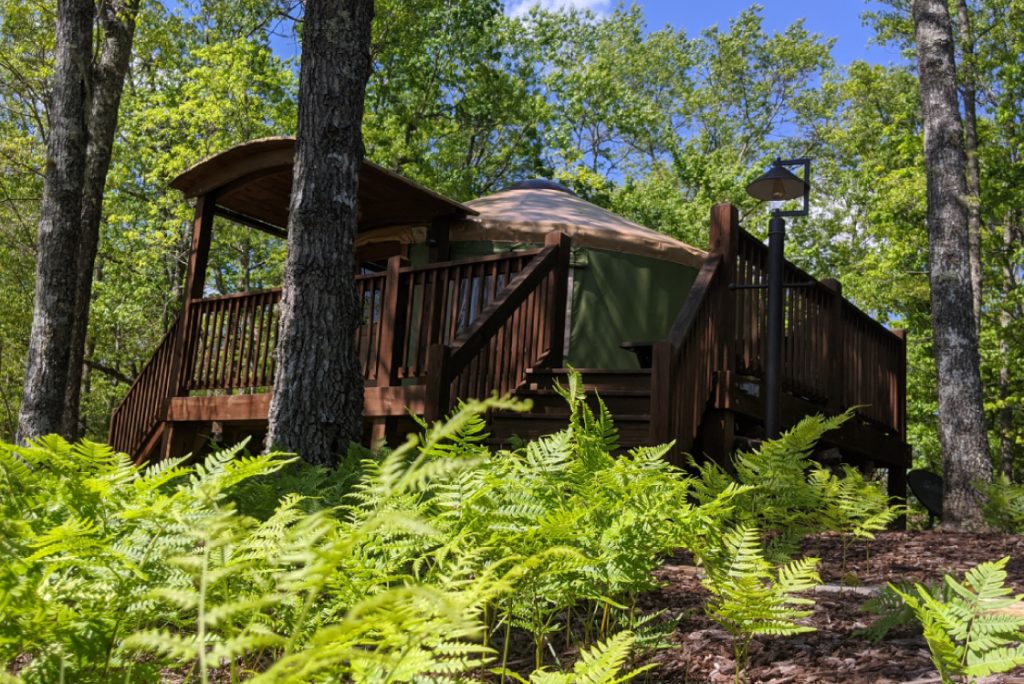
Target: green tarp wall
620, 298
616, 298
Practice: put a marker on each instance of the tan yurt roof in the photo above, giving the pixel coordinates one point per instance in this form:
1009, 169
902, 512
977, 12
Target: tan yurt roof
527, 214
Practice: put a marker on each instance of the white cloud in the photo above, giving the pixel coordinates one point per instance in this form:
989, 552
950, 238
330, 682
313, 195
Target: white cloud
516, 8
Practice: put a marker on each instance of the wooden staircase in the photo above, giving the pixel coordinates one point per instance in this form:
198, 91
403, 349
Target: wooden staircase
626, 393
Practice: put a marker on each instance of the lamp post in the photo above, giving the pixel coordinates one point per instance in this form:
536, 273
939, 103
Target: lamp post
778, 184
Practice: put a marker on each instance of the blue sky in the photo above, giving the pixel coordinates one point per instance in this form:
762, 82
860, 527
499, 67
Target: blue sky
839, 19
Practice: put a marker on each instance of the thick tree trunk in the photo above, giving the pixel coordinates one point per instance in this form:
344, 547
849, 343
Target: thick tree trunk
53, 317
117, 22
318, 388
969, 90
961, 417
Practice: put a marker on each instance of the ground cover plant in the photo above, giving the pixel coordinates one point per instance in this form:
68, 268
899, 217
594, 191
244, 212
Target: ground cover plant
787, 495
441, 560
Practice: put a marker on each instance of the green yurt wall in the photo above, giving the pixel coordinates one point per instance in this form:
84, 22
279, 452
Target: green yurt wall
618, 298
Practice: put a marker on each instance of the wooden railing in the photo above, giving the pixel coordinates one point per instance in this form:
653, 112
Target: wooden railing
440, 301
230, 340
684, 364
873, 369
522, 327
133, 421
834, 356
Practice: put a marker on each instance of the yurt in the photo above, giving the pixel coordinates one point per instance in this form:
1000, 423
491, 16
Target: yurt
627, 282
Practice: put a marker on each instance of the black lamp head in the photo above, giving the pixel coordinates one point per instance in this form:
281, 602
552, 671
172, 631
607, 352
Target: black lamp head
779, 184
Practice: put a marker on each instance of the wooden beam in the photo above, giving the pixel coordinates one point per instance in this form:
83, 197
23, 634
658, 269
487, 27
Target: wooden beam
199, 252
235, 407
394, 401
251, 222
195, 281
377, 402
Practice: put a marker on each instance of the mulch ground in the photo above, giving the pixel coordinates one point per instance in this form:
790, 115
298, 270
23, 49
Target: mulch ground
702, 652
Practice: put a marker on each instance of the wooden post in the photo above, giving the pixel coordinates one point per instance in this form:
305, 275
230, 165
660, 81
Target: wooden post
438, 392
392, 324
719, 428
662, 379
195, 281
725, 240
898, 473
558, 298
834, 345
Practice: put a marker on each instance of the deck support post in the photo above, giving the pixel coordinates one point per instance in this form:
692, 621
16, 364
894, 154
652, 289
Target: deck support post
439, 381
720, 437
898, 474
195, 282
897, 490
558, 298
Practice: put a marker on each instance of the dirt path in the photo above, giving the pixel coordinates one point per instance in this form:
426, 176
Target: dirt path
835, 652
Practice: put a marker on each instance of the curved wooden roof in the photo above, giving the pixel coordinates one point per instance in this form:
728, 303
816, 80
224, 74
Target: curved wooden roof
254, 181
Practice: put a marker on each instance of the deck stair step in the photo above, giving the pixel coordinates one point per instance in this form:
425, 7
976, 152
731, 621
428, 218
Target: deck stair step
593, 378
633, 429
626, 393
548, 401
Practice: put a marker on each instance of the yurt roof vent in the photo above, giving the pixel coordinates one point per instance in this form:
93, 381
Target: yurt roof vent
539, 184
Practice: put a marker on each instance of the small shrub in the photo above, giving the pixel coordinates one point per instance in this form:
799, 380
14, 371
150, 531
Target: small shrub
1004, 505
976, 631
749, 598
788, 496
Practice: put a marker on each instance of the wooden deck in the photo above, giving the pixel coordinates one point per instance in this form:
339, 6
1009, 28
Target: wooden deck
449, 330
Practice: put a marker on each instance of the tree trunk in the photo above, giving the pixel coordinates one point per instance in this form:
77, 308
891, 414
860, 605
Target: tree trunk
1006, 436
53, 316
117, 22
317, 405
961, 417
968, 76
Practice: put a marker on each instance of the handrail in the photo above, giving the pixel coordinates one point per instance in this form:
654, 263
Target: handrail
230, 339
834, 355
522, 327
138, 414
684, 363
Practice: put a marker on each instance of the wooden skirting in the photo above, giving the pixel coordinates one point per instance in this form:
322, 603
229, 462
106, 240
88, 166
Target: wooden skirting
377, 402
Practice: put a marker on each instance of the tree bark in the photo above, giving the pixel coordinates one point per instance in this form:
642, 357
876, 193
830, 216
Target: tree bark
317, 405
961, 418
968, 76
46, 374
116, 20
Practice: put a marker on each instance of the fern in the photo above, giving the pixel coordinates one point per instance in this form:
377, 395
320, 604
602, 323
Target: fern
600, 664
977, 630
748, 598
